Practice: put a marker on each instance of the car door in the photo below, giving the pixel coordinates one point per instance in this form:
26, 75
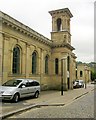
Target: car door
32, 88
24, 89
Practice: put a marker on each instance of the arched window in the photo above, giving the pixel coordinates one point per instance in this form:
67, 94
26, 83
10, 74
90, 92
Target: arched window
68, 63
34, 62
46, 64
59, 24
56, 66
81, 73
16, 60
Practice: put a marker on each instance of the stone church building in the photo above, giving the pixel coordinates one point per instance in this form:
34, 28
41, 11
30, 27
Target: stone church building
24, 53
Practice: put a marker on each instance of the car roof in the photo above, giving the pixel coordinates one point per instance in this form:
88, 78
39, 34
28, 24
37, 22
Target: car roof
79, 80
25, 79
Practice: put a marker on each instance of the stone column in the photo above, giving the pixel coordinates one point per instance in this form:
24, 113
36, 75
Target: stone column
71, 73
6, 61
39, 62
27, 66
41, 67
89, 75
1, 58
65, 74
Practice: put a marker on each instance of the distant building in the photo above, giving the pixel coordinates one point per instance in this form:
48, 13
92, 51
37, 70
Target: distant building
24, 53
83, 72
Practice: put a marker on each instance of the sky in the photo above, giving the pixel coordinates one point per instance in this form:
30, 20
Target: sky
34, 13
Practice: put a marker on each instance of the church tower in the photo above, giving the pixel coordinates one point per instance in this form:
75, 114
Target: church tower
61, 26
61, 48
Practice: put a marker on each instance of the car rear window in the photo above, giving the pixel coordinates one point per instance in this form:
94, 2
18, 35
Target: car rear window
33, 83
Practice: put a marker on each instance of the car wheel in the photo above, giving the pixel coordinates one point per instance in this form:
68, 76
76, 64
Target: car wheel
16, 98
36, 94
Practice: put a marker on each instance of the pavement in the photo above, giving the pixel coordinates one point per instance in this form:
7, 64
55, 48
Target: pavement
46, 98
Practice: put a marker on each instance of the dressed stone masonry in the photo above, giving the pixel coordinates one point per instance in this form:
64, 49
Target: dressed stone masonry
24, 53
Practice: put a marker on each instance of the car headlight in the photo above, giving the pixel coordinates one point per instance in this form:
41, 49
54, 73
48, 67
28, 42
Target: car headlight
7, 92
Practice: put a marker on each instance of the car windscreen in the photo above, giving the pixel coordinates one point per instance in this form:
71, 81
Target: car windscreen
12, 83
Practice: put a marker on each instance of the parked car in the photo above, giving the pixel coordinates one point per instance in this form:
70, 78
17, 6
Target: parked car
18, 88
93, 82
78, 84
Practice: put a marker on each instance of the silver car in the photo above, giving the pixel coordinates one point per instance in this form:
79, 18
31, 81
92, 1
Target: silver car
19, 88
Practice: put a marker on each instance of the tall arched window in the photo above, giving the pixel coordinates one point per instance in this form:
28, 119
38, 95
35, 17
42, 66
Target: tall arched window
34, 62
81, 73
59, 24
56, 65
46, 64
16, 60
68, 63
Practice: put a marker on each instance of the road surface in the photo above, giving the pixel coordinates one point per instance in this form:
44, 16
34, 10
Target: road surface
82, 107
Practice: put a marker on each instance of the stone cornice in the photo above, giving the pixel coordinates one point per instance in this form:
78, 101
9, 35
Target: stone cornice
20, 27
61, 11
16, 25
65, 30
74, 56
63, 45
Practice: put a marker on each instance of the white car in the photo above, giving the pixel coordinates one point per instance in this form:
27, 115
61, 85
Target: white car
78, 84
19, 88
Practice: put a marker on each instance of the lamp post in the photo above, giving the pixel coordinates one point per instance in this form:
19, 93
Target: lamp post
85, 77
62, 73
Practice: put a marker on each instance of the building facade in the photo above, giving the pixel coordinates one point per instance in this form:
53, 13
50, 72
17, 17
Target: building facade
24, 53
83, 72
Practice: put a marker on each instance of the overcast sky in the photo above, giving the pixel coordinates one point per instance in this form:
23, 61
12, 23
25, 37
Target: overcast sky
34, 13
